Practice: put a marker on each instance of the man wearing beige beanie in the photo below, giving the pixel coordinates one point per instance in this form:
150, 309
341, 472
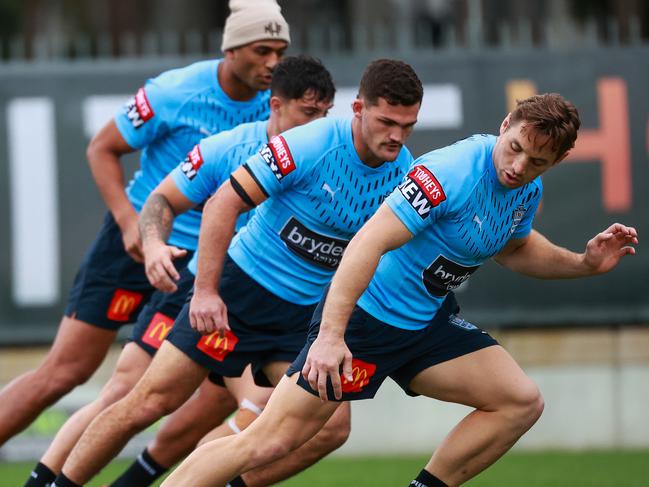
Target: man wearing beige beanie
168, 116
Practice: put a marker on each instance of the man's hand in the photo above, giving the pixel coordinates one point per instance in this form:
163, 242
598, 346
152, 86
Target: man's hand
159, 266
323, 361
208, 313
606, 249
131, 239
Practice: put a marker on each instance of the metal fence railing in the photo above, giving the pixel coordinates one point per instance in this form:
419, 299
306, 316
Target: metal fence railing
472, 33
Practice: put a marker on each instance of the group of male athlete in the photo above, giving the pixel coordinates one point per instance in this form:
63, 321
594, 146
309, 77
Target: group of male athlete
324, 248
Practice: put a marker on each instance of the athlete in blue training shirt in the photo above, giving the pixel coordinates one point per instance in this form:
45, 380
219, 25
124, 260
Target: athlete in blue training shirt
166, 117
458, 207
319, 183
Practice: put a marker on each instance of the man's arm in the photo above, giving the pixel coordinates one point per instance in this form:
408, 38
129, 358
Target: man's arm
382, 233
103, 153
207, 312
156, 220
536, 256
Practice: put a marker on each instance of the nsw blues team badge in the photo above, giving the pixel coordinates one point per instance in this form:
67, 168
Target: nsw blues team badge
517, 217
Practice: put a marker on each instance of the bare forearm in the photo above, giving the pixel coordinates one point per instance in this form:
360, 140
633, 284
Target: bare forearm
109, 178
156, 220
542, 259
217, 230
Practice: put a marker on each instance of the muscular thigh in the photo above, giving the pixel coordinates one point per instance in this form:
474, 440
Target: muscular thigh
479, 379
79, 344
171, 375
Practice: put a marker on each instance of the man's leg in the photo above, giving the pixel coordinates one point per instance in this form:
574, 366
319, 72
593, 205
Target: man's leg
333, 435
64, 368
291, 418
169, 381
179, 434
131, 365
507, 403
251, 400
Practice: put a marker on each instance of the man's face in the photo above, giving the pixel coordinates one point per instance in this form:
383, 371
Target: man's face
385, 127
294, 112
521, 154
253, 64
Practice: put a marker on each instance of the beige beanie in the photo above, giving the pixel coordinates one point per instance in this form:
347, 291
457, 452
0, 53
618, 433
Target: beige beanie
253, 20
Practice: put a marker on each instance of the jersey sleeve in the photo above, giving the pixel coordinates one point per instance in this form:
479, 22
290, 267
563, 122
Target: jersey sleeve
523, 223
201, 173
287, 158
145, 116
421, 198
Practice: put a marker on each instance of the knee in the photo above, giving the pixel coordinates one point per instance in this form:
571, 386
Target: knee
61, 379
269, 450
142, 410
244, 417
526, 404
114, 391
155, 407
336, 431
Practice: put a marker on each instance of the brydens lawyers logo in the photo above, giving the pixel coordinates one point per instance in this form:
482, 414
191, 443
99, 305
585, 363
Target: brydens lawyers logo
444, 275
138, 109
278, 157
216, 346
361, 374
123, 304
319, 249
192, 163
158, 329
422, 190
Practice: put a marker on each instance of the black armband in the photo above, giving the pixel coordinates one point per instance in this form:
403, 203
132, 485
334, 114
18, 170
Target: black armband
241, 192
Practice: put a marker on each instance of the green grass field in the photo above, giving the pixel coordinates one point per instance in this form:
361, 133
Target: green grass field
547, 469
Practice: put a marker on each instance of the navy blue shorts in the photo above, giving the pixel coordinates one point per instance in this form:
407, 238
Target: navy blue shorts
264, 329
380, 350
110, 288
156, 319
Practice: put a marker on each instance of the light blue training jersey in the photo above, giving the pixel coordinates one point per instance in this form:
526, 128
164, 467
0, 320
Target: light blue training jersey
460, 216
171, 114
210, 163
319, 194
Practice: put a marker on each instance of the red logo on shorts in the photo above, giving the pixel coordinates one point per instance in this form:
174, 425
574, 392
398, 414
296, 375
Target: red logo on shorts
158, 329
361, 374
123, 304
216, 346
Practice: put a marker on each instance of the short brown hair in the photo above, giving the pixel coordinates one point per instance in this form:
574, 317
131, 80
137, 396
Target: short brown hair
552, 115
395, 81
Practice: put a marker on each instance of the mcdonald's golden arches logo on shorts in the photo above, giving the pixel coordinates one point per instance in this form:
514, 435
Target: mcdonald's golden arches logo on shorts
158, 329
216, 346
361, 374
123, 304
